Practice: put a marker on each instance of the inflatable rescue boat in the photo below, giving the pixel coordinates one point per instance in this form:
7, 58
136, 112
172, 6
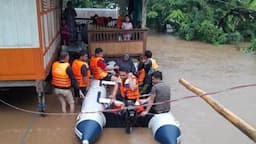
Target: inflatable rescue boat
94, 117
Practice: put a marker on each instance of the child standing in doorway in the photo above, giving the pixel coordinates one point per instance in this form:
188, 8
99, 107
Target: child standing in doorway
127, 25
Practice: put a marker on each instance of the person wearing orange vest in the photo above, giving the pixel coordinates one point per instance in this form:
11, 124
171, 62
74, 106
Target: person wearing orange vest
128, 86
82, 73
99, 68
62, 80
141, 72
119, 22
100, 71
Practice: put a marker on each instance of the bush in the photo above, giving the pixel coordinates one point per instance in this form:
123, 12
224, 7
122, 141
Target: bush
248, 30
234, 38
187, 31
208, 32
176, 15
209, 21
251, 48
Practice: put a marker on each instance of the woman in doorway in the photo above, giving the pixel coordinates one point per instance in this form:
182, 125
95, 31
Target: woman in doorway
69, 15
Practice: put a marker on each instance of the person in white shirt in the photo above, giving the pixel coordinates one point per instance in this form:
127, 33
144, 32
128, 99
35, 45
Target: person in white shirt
127, 25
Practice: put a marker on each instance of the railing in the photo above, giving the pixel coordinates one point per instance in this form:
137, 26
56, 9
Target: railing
114, 41
117, 35
117, 41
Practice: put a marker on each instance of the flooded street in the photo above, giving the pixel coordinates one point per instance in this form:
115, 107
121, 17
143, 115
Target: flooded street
209, 67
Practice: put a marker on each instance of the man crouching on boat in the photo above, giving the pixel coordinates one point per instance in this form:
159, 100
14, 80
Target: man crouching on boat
160, 93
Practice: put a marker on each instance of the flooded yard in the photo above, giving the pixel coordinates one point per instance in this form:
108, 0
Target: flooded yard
209, 67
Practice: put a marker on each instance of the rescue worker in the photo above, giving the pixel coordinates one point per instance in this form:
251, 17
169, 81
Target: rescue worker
119, 22
62, 80
160, 92
100, 71
150, 63
141, 72
128, 86
82, 73
150, 66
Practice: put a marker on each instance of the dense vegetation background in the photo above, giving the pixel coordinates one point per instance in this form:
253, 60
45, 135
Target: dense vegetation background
212, 21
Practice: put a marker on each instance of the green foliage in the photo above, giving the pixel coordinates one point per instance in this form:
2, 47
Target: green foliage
85, 4
212, 21
251, 48
248, 30
152, 14
210, 33
176, 15
234, 37
187, 31
157, 12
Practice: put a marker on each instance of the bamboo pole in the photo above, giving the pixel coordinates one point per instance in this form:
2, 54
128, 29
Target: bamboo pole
231, 117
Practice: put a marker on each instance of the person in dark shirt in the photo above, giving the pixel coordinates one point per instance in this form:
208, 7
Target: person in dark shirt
150, 66
160, 93
126, 62
70, 15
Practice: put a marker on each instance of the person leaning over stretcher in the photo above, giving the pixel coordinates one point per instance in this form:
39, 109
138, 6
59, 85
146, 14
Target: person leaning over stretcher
100, 71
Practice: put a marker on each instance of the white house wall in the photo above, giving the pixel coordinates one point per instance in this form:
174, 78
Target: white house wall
50, 17
18, 24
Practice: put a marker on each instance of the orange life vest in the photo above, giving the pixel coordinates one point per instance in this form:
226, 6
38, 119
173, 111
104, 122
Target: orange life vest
119, 22
76, 68
127, 92
97, 72
141, 75
60, 77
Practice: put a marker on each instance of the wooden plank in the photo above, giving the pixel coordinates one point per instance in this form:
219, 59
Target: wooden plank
231, 117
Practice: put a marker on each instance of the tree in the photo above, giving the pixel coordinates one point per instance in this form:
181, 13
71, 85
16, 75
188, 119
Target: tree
213, 21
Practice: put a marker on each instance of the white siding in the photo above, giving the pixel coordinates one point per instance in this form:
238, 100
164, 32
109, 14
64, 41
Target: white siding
50, 52
18, 24
51, 26
46, 28
88, 12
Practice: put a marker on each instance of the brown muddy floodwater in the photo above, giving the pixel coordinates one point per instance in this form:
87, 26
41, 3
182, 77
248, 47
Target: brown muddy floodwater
209, 67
